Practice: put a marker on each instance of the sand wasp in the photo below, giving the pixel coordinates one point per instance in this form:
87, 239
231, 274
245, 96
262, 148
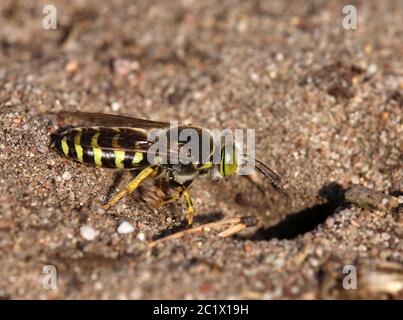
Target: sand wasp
125, 143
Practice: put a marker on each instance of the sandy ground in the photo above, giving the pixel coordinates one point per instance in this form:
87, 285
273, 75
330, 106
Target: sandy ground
326, 104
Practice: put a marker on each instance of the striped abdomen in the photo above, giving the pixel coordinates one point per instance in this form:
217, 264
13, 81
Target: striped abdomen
103, 147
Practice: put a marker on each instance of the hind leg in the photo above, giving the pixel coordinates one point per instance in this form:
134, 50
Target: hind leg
149, 171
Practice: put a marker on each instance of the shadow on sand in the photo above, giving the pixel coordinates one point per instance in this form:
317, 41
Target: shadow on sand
306, 220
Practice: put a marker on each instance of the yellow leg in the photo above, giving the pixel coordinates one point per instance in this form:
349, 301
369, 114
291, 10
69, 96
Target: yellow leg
179, 192
131, 186
189, 205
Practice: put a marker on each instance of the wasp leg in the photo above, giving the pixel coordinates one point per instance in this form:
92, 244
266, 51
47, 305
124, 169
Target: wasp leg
175, 197
178, 189
189, 205
181, 191
131, 186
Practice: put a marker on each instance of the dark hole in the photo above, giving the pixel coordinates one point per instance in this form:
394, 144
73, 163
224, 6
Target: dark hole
301, 222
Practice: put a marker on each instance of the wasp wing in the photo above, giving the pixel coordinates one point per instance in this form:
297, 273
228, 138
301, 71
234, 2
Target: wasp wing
108, 120
125, 133
122, 139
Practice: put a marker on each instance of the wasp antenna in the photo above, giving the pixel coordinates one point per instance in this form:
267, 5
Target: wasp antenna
276, 184
269, 174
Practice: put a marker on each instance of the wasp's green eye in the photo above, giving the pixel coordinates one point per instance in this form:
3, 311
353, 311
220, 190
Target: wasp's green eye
229, 164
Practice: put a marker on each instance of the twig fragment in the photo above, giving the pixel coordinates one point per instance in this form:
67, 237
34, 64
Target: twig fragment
233, 230
239, 224
369, 199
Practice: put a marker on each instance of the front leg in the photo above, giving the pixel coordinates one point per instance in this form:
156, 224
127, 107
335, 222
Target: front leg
178, 194
189, 205
181, 190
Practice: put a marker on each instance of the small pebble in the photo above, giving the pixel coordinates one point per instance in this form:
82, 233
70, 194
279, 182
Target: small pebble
330, 222
279, 263
115, 106
279, 56
122, 66
71, 66
294, 290
372, 68
362, 248
136, 294
355, 179
255, 77
66, 176
141, 236
125, 228
88, 233
385, 236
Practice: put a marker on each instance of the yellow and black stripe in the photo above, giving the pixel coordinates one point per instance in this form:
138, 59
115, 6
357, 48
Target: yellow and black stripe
102, 147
